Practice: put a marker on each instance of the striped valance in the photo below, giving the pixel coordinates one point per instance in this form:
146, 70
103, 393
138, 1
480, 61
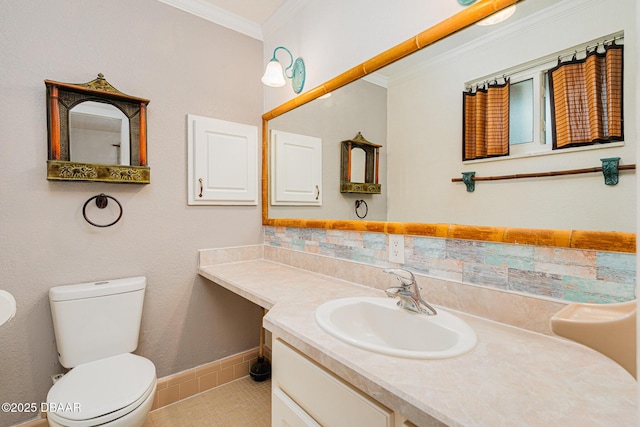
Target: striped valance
486, 122
586, 99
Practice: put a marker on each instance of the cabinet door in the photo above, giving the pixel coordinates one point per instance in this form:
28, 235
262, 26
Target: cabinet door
296, 169
223, 162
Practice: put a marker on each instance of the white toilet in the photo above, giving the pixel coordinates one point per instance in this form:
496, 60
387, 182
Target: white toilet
97, 326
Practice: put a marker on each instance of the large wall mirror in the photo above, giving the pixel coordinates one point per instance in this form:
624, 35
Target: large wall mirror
409, 100
96, 133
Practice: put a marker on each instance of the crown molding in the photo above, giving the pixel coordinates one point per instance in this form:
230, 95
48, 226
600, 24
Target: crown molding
282, 16
218, 16
377, 79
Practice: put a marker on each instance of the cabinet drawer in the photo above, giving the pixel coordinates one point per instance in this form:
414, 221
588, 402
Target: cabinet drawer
286, 413
327, 399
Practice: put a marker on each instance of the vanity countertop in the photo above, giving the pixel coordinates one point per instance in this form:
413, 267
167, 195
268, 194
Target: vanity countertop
513, 377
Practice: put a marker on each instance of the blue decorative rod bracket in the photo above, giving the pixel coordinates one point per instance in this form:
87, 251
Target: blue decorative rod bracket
467, 178
610, 170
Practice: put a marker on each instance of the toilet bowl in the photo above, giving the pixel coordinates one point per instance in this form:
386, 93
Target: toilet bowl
97, 327
116, 391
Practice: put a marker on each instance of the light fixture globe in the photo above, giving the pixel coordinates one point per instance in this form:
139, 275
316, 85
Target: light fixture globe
499, 16
273, 75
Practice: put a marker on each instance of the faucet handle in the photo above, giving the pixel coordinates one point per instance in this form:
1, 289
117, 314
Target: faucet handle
401, 274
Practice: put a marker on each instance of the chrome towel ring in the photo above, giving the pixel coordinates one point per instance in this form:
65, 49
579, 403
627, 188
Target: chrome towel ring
101, 202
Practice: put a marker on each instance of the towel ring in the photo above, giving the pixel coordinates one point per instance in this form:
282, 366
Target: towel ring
366, 208
101, 202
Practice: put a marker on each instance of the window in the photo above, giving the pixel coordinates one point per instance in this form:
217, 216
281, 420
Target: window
587, 108
530, 111
521, 112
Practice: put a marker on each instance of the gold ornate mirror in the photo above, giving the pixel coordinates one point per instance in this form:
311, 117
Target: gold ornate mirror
96, 133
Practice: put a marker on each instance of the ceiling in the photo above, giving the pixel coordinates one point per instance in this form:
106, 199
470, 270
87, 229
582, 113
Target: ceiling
257, 11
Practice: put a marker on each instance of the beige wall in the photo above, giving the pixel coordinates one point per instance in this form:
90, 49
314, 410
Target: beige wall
183, 64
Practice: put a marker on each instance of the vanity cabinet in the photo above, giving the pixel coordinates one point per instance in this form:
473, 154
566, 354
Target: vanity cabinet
304, 394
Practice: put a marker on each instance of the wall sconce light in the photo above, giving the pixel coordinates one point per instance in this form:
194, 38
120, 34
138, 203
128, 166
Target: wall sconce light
274, 76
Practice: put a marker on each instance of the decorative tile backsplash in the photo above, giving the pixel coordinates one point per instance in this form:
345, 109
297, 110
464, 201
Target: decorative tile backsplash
565, 274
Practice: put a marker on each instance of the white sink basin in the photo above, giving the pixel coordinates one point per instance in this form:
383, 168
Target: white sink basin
379, 325
7, 306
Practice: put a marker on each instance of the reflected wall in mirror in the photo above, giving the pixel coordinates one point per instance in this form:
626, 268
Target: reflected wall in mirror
96, 133
357, 167
422, 127
336, 119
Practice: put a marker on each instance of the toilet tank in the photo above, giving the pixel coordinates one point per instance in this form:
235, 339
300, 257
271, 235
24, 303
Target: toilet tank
96, 320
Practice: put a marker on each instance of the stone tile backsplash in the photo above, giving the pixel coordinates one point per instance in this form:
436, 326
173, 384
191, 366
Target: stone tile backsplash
565, 274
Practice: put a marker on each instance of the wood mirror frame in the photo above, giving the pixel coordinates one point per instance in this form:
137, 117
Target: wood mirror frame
577, 239
61, 98
370, 166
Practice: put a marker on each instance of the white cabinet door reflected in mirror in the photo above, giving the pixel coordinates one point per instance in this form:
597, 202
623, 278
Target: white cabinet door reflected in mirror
296, 161
98, 133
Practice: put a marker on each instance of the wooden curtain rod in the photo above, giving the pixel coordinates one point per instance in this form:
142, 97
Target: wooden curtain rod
469, 178
543, 174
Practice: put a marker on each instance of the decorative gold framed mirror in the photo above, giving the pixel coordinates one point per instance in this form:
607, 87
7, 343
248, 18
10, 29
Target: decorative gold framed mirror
96, 133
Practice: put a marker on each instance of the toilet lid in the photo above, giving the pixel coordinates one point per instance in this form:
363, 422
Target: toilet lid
101, 387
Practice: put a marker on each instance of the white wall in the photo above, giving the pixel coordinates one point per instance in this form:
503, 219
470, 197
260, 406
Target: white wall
333, 36
183, 64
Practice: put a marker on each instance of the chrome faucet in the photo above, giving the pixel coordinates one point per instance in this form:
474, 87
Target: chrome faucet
408, 293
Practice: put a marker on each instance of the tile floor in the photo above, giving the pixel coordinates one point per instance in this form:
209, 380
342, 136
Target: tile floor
242, 402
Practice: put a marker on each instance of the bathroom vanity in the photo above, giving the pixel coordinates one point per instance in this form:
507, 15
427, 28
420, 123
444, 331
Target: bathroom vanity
512, 377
